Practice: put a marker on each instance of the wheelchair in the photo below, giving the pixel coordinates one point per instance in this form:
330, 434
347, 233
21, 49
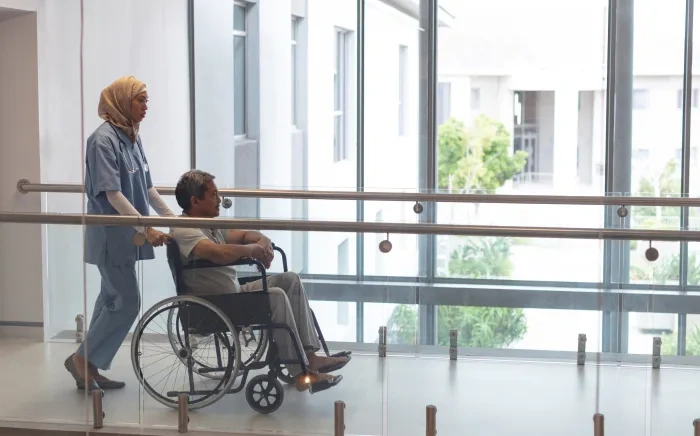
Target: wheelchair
215, 339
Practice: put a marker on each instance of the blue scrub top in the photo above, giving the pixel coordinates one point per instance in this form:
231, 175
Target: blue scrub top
114, 163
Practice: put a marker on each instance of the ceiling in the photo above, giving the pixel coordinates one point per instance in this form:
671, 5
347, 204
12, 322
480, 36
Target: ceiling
8, 14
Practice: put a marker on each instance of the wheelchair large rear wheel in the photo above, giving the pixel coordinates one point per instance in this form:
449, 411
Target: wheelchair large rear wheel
159, 366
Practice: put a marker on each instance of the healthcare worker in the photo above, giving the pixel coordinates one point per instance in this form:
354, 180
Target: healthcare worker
117, 181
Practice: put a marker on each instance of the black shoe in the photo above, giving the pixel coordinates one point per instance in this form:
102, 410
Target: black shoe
79, 382
111, 384
107, 384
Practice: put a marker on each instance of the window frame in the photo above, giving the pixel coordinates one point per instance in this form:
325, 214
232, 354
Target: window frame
296, 23
244, 34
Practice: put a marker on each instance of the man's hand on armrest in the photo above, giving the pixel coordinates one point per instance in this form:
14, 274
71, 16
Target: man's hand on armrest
256, 238
223, 254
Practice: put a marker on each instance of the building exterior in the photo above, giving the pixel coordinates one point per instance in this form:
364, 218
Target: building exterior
272, 87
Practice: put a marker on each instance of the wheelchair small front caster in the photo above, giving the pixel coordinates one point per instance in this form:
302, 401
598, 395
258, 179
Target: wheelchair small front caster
264, 393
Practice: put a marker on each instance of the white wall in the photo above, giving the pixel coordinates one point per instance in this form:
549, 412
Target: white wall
151, 45
20, 244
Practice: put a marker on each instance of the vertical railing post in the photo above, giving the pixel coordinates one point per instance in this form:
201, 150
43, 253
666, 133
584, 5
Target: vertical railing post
430, 421
339, 411
598, 425
656, 354
581, 355
79, 328
696, 427
453, 344
382, 342
98, 413
183, 418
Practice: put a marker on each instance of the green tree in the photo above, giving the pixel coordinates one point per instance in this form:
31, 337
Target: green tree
480, 327
669, 343
665, 184
482, 258
476, 158
667, 270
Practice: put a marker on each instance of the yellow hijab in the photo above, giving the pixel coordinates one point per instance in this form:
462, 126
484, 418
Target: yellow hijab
115, 104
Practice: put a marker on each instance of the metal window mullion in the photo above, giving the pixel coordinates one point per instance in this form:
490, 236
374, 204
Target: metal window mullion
360, 158
192, 83
685, 160
610, 324
428, 153
622, 134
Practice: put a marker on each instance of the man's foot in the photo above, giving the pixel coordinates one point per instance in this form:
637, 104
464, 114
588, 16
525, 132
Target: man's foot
323, 364
315, 381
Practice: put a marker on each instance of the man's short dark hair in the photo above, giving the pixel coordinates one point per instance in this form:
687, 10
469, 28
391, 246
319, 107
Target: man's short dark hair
191, 184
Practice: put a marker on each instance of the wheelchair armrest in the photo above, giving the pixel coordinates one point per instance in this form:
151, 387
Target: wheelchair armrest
283, 254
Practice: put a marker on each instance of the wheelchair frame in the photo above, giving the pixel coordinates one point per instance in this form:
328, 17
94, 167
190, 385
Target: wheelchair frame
235, 312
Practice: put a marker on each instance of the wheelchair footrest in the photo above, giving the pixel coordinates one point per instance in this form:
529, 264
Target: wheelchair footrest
210, 370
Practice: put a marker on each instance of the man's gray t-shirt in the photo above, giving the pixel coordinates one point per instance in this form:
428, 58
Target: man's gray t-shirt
220, 280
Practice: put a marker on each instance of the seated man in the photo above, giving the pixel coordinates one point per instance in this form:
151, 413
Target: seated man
198, 196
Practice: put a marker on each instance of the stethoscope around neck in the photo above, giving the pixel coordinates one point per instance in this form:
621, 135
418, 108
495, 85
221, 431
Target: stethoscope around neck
130, 167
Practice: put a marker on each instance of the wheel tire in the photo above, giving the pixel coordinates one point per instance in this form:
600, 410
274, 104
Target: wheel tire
260, 390
168, 304
283, 374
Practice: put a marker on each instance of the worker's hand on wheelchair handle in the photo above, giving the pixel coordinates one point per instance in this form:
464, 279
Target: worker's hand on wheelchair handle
156, 238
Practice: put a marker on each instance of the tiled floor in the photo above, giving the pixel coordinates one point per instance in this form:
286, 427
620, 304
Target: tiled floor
383, 397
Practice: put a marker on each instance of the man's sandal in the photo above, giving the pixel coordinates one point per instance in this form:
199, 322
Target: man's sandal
334, 367
314, 385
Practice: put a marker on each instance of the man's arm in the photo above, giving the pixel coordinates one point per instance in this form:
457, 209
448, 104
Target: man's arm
193, 242
246, 237
221, 254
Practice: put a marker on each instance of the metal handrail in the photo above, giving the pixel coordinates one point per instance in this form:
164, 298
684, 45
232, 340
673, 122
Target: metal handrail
24, 186
352, 227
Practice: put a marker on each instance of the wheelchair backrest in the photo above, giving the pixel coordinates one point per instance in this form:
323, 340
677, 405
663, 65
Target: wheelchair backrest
175, 263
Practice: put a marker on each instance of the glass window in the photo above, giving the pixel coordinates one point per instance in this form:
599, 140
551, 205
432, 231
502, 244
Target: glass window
344, 258
475, 100
340, 84
295, 85
444, 97
240, 39
403, 72
509, 131
640, 99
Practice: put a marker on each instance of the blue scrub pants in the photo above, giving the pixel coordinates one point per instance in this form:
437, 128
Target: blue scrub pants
115, 311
